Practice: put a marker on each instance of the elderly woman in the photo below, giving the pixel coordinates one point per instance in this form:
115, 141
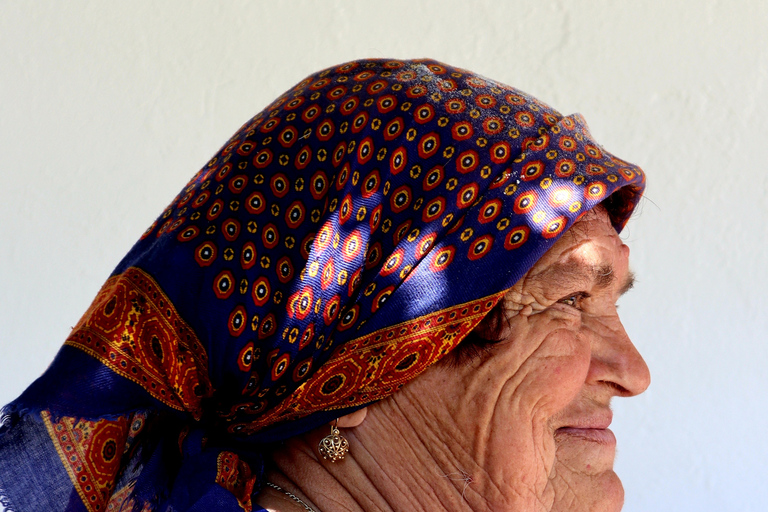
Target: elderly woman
393, 289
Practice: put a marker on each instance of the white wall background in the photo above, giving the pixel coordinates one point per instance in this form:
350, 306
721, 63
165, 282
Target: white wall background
107, 108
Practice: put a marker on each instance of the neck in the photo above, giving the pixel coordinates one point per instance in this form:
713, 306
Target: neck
388, 468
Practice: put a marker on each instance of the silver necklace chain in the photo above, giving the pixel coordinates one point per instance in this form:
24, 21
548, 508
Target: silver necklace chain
290, 495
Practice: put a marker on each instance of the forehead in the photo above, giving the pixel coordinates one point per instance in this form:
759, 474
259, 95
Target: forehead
590, 250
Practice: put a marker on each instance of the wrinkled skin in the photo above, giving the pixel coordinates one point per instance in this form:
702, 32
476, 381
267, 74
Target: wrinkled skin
521, 425
563, 355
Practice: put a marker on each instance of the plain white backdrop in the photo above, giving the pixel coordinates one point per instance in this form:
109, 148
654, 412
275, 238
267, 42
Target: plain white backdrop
107, 108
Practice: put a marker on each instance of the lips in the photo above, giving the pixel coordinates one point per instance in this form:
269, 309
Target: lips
592, 427
595, 435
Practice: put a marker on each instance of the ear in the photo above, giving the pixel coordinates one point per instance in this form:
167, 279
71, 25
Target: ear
353, 419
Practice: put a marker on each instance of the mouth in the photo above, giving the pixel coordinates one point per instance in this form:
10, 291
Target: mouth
602, 436
591, 427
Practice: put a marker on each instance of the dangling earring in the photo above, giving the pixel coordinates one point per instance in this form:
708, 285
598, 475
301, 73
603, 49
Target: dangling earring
334, 446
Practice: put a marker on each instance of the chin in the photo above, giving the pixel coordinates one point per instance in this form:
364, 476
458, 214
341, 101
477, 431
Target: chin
612, 491
584, 478
597, 493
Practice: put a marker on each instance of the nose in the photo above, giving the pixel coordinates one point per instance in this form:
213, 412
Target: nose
617, 363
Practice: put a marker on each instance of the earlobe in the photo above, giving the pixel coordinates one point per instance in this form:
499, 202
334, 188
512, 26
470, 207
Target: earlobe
353, 419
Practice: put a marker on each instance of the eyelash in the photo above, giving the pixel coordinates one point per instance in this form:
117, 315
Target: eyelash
574, 300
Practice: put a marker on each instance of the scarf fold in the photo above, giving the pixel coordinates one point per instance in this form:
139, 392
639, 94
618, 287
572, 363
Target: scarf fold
344, 239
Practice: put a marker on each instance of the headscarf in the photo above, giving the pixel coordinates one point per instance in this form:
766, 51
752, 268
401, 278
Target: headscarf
344, 239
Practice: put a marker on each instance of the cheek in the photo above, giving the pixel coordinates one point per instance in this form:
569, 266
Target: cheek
544, 369
542, 364
534, 374
555, 372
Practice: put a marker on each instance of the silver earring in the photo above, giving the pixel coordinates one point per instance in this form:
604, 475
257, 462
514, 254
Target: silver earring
334, 446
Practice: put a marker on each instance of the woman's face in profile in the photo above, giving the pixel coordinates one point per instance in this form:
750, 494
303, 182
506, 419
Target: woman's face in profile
527, 419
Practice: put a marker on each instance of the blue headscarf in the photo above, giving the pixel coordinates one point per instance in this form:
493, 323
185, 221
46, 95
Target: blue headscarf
343, 240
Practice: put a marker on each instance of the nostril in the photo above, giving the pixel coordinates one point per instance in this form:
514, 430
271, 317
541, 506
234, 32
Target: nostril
620, 390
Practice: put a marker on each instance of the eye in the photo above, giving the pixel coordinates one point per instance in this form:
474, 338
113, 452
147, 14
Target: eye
574, 300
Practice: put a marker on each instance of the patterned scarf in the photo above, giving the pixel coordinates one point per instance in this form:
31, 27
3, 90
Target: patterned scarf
343, 240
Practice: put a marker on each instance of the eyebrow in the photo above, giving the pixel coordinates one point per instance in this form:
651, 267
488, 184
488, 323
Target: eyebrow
574, 274
629, 283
